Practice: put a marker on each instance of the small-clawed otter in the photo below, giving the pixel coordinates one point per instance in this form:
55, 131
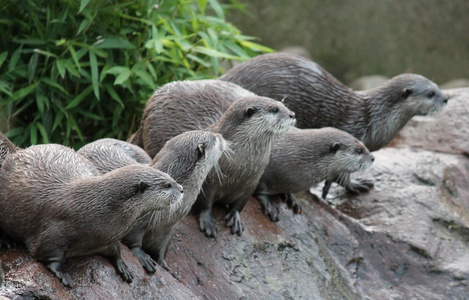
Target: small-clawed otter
187, 158
319, 100
302, 158
54, 201
249, 124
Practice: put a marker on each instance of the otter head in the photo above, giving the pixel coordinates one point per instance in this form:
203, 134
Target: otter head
189, 156
346, 154
256, 116
144, 188
411, 95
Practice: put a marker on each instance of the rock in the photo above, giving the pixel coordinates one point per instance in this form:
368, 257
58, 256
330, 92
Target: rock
446, 132
368, 82
408, 238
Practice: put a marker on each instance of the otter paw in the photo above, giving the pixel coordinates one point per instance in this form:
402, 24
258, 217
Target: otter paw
292, 203
145, 260
164, 264
361, 186
124, 271
268, 207
325, 189
207, 225
233, 220
56, 268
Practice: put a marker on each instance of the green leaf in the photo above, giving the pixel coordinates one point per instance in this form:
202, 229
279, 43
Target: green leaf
123, 76
94, 74
110, 90
32, 66
54, 84
20, 94
3, 56
74, 55
33, 134
213, 53
217, 8
202, 4
146, 78
83, 4
45, 53
76, 101
83, 25
256, 47
71, 68
14, 58
114, 43
60, 67
4, 87
41, 100
43, 132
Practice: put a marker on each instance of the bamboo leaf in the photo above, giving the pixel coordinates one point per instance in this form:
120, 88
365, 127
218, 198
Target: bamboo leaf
3, 56
94, 74
33, 134
83, 4
54, 84
21, 93
202, 4
14, 58
76, 101
32, 66
217, 8
43, 132
213, 53
60, 67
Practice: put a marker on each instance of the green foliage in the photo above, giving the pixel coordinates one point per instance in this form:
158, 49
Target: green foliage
75, 71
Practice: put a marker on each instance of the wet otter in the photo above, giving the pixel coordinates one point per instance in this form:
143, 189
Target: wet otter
302, 158
319, 100
187, 158
249, 124
53, 201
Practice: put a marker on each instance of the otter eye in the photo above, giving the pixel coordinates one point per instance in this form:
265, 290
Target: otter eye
431, 94
335, 147
168, 185
359, 150
274, 110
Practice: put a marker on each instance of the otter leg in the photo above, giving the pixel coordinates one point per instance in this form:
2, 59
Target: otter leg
156, 243
5, 240
133, 240
268, 206
113, 253
233, 218
291, 202
361, 186
50, 252
206, 223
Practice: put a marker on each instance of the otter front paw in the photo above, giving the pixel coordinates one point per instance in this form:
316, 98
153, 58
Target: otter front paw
124, 271
145, 260
207, 225
233, 220
291, 203
268, 207
356, 187
57, 269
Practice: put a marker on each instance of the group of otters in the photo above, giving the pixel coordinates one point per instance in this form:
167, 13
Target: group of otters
200, 143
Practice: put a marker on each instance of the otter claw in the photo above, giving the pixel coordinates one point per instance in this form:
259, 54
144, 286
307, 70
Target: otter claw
361, 186
233, 220
268, 207
145, 260
207, 225
292, 203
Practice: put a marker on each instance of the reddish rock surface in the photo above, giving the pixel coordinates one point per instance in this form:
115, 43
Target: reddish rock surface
408, 238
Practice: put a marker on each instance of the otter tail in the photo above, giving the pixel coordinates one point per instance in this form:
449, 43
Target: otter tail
6, 147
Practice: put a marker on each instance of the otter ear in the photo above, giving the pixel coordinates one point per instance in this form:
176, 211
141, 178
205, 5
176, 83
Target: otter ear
141, 187
201, 149
406, 92
249, 111
335, 147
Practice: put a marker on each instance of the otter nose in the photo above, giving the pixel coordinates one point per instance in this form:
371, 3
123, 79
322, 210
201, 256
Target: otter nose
372, 158
446, 99
292, 115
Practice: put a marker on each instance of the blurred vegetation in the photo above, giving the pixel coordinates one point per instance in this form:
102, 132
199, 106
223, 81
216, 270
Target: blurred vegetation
75, 71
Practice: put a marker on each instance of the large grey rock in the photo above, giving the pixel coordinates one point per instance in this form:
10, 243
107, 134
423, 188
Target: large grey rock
408, 238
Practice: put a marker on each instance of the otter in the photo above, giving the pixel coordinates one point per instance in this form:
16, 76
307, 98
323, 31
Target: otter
1, 273
302, 158
187, 158
53, 201
248, 124
320, 100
